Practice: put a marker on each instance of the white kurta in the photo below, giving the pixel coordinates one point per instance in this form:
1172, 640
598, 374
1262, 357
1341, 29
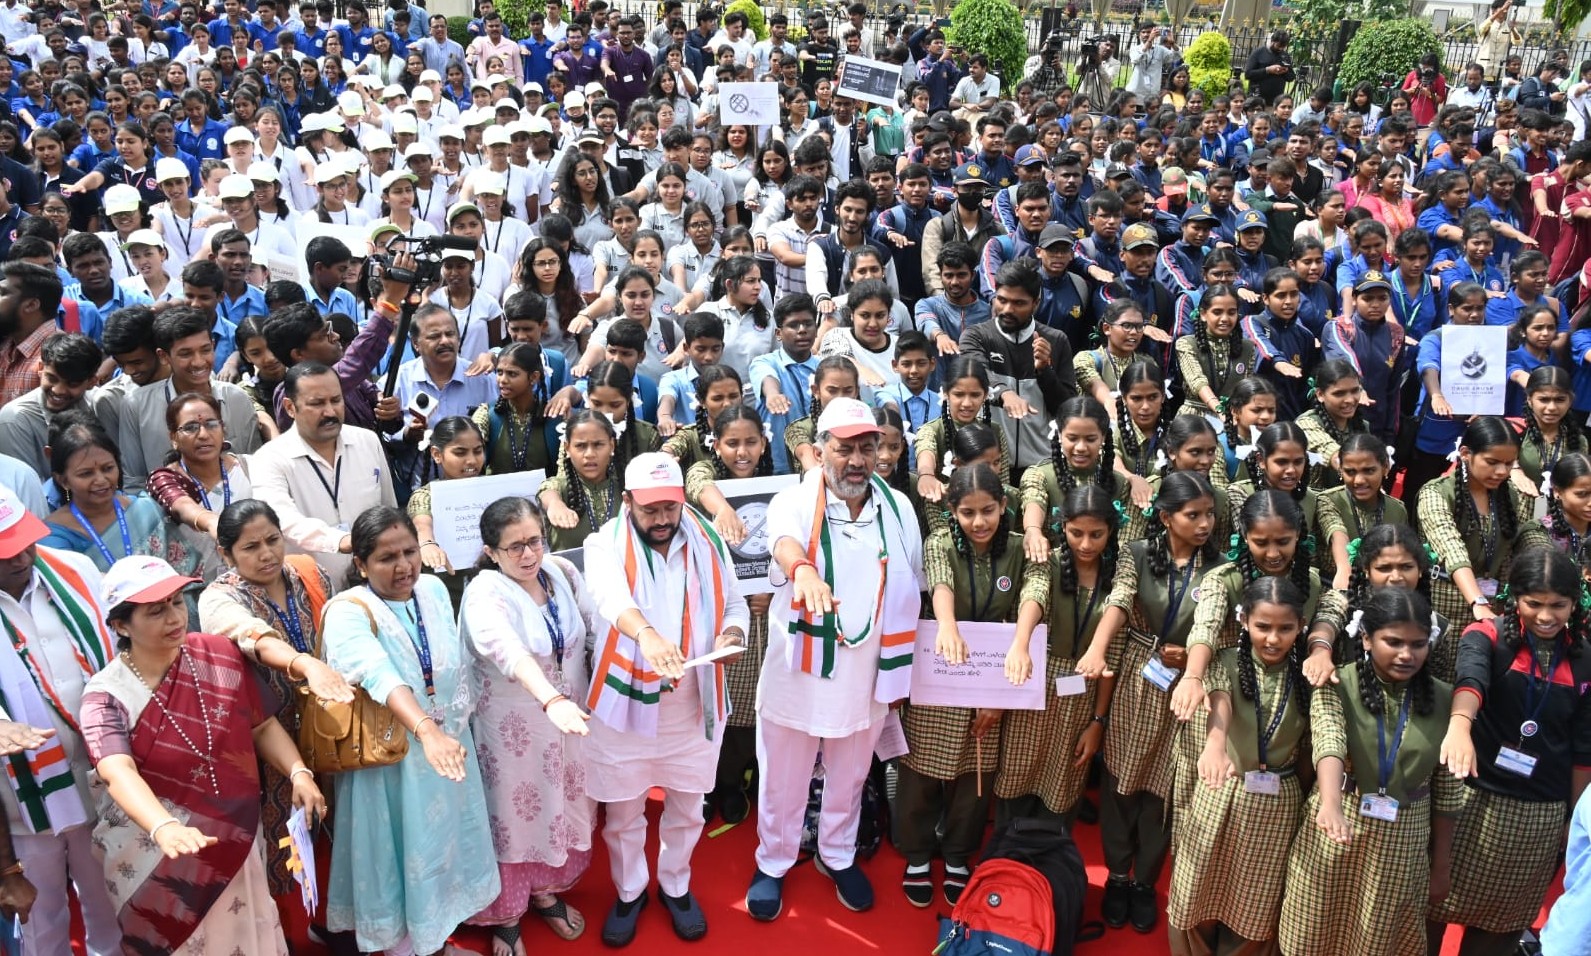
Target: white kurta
623, 766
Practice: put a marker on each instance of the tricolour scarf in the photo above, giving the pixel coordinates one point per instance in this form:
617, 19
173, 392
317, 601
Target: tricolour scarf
42, 779
815, 639
624, 690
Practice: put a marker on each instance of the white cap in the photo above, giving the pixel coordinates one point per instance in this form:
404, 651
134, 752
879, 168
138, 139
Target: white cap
458, 254
495, 79
846, 418
654, 477
495, 136
537, 124
450, 131
328, 171
20, 528
420, 148
351, 160
376, 139
574, 99
140, 579
264, 173
518, 127
423, 94
405, 123
532, 87
122, 198
478, 117
238, 134
144, 237
393, 175
351, 103
331, 123
236, 186
168, 168
311, 123
430, 76
595, 89
393, 89
480, 85
488, 183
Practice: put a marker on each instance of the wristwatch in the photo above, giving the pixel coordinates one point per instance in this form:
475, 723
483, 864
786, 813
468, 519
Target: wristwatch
1482, 600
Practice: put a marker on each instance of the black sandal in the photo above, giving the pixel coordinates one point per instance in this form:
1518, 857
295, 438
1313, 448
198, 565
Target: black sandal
508, 934
559, 910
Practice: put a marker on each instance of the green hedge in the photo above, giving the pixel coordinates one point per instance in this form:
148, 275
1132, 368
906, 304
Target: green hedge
458, 30
1392, 47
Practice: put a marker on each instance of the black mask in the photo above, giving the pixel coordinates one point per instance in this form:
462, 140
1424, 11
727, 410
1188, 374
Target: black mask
969, 200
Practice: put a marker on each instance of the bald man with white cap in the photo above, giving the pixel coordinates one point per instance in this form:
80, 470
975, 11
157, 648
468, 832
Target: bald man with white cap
664, 581
839, 651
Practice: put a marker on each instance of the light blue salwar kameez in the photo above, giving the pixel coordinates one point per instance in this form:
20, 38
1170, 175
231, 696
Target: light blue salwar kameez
412, 852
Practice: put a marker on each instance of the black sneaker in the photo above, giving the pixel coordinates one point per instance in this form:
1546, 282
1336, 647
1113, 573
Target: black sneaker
733, 805
918, 884
619, 928
1144, 908
955, 882
690, 923
1118, 900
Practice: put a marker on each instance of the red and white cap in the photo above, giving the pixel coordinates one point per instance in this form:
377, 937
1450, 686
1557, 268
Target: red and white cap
140, 579
847, 418
20, 528
654, 477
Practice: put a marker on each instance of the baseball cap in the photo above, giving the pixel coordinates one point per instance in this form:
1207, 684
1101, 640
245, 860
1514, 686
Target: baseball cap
971, 173
654, 477
1139, 234
328, 171
1116, 171
236, 186
492, 80
1055, 234
1372, 280
430, 76
423, 94
847, 418
460, 209
1252, 219
490, 184
19, 527
458, 253
421, 148
1200, 213
383, 228
392, 90
1031, 155
495, 136
450, 131
377, 139
169, 168
591, 136
393, 175
264, 173
574, 100
1173, 181
352, 103
144, 237
238, 134
122, 198
532, 87
1259, 157
538, 125
405, 123
140, 579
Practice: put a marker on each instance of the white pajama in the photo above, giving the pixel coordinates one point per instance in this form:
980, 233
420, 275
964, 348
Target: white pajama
53, 862
678, 830
785, 759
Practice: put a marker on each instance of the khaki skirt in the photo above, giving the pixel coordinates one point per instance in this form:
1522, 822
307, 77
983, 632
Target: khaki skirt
1505, 854
1139, 742
1037, 747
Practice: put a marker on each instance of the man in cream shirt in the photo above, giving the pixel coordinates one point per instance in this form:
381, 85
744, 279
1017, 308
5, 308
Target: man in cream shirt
321, 474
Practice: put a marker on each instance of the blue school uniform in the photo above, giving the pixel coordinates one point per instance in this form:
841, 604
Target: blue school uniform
1316, 307
1379, 354
681, 383
1505, 311
1279, 341
1488, 276
1421, 312
1437, 434
1504, 249
1433, 218
1180, 266
1520, 360
795, 381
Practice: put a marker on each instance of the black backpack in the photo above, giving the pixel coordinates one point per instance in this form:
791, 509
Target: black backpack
1047, 846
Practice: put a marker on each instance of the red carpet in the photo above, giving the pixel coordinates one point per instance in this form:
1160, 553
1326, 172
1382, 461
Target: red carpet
814, 922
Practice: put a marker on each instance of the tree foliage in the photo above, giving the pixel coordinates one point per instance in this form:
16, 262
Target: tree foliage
516, 16
1209, 60
1392, 47
993, 28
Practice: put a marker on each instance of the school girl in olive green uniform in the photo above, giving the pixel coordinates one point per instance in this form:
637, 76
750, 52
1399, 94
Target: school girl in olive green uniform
1189, 443
1549, 432
1082, 451
1334, 417
585, 492
1280, 460
717, 388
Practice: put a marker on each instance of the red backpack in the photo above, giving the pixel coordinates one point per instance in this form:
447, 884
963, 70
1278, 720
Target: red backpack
1007, 908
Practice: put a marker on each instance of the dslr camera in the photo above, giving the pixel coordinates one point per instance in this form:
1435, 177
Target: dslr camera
427, 252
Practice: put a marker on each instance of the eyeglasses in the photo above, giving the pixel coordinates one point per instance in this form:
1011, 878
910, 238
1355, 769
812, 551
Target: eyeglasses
1130, 326
518, 548
192, 429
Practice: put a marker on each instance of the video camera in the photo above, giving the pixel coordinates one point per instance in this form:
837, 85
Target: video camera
427, 271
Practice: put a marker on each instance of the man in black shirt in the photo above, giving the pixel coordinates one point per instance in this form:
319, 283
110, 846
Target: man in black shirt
1269, 68
818, 55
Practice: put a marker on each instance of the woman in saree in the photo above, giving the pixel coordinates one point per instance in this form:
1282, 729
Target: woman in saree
179, 813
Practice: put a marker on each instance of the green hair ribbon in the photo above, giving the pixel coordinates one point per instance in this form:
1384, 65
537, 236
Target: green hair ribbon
1121, 513
1309, 543
1235, 549
1310, 393
1353, 550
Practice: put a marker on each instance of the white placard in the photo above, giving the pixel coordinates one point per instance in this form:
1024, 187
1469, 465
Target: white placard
749, 497
892, 740
456, 507
871, 81
980, 681
1475, 368
753, 104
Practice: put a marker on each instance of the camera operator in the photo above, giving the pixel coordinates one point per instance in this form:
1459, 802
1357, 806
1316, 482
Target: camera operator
1097, 69
1050, 75
1427, 89
1270, 68
1150, 60
1494, 35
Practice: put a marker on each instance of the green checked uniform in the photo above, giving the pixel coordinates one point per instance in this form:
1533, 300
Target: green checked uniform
1137, 527
1228, 362
1040, 487
1098, 365
1357, 520
603, 499
1321, 520
932, 440
686, 446
1322, 475
1537, 460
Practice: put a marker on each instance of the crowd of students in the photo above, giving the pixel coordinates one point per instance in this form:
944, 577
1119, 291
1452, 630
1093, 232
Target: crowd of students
1163, 373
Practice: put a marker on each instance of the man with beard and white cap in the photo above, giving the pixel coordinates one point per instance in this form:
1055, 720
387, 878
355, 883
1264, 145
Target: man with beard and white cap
839, 651
657, 723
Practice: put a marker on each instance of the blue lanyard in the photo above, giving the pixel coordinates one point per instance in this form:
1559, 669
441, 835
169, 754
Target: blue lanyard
1174, 596
422, 648
549, 614
1534, 707
204, 494
1269, 731
289, 617
121, 521
1419, 299
1388, 760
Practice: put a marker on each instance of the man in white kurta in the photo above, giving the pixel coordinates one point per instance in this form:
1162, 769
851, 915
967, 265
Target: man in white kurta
873, 575
664, 725
41, 591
